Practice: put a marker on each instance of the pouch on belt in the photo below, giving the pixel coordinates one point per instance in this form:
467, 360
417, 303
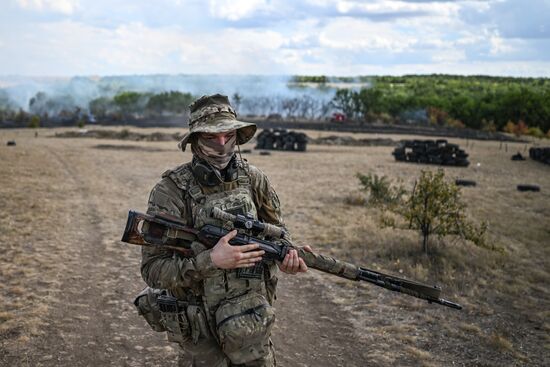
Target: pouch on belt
244, 325
147, 306
174, 318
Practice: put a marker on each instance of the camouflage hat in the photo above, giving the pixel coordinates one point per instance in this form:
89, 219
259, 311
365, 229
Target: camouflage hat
214, 114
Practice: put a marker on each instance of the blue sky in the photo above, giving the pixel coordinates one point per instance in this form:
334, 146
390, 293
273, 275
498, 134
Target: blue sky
120, 37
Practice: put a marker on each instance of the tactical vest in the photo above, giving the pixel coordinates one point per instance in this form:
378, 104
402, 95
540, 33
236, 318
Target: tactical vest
225, 284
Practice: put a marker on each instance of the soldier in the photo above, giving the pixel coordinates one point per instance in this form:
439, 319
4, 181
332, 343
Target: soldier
224, 294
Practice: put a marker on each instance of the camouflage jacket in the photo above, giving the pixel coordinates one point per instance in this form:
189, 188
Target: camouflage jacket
167, 269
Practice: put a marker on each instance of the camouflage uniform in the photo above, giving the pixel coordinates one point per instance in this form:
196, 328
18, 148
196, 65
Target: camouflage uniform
215, 293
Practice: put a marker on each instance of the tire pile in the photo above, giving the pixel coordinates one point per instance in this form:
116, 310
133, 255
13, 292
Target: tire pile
281, 139
431, 152
540, 154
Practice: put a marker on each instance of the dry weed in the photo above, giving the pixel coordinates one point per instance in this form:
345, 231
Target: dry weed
470, 328
500, 342
356, 198
419, 354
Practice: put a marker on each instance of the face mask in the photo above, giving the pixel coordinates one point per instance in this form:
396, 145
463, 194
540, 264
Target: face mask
217, 155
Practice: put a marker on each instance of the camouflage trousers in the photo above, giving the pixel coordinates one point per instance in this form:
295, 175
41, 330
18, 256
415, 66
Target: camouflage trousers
207, 353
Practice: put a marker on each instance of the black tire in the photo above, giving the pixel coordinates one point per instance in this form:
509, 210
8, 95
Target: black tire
268, 144
263, 152
423, 159
11, 143
302, 146
462, 163
518, 157
459, 182
528, 188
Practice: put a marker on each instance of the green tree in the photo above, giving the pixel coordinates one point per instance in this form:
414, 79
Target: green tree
129, 102
369, 101
345, 101
101, 107
21, 117
435, 207
169, 102
34, 122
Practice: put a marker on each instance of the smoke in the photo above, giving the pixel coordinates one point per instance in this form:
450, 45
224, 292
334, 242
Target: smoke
55, 94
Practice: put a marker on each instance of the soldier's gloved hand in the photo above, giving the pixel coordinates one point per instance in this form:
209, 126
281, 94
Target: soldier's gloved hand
293, 264
225, 256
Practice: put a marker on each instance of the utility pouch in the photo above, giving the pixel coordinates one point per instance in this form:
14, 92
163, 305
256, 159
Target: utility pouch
198, 324
173, 317
244, 325
146, 304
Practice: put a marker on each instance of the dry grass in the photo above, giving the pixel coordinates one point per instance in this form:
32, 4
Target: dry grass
418, 354
503, 344
500, 342
470, 328
49, 187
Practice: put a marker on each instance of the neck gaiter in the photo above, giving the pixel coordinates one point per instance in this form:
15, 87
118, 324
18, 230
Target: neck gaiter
217, 155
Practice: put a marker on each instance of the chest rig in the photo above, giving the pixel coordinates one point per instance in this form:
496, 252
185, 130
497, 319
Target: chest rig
234, 197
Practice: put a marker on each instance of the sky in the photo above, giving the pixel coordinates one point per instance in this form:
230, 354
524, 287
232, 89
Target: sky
274, 37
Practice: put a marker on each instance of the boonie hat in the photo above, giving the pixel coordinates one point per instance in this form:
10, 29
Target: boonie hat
214, 114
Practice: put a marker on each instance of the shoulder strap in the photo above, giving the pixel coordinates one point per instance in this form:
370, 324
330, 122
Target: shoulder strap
184, 180
244, 178
181, 176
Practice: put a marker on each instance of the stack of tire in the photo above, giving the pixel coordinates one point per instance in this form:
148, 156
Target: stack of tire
540, 154
438, 152
281, 139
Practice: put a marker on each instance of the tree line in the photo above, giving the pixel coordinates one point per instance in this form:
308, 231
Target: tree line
517, 105
125, 106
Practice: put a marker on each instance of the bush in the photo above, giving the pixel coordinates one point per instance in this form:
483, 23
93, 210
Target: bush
488, 126
510, 128
536, 132
518, 129
124, 133
34, 122
455, 123
380, 191
521, 128
435, 207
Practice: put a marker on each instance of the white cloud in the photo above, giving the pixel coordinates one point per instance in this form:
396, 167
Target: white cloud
449, 56
60, 6
264, 37
354, 34
390, 6
499, 45
72, 48
236, 9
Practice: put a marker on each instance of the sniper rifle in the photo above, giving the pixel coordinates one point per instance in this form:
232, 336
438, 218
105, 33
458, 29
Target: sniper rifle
163, 230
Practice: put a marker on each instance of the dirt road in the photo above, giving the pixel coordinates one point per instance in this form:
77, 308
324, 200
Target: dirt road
68, 282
